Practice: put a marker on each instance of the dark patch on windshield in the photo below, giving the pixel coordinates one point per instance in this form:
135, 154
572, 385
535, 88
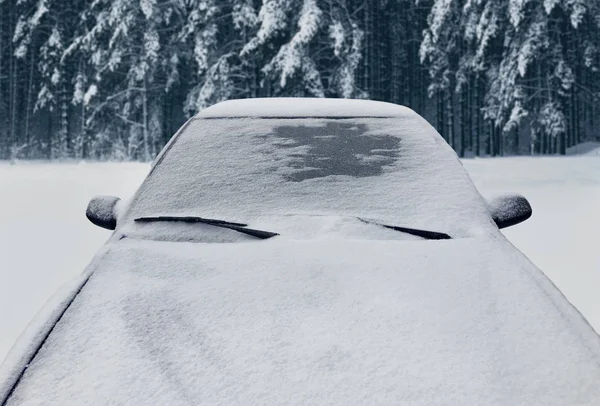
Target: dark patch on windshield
336, 148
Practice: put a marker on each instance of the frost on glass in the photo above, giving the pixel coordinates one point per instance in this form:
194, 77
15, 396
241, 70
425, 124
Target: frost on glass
394, 170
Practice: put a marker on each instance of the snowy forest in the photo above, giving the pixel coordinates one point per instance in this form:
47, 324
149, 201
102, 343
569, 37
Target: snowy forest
114, 79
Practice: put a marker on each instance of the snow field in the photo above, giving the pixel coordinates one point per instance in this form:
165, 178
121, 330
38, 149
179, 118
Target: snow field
561, 237
45, 239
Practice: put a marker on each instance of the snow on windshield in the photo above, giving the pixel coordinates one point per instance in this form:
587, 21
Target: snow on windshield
396, 170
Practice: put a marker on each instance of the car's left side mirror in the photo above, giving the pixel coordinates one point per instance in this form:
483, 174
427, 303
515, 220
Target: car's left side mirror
101, 211
509, 210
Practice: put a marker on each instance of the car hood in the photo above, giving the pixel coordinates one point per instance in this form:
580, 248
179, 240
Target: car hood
332, 321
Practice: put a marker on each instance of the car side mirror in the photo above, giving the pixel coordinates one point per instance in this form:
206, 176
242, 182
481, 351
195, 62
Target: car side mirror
509, 210
101, 211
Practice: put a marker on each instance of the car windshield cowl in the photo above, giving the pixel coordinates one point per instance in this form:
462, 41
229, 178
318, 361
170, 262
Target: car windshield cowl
240, 227
243, 228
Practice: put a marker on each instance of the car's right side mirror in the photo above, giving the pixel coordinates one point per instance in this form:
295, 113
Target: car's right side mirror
509, 210
101, 211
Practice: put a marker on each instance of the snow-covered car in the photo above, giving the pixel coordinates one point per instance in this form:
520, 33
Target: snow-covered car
307, 251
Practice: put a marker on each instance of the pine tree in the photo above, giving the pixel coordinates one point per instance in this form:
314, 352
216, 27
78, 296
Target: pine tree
114, 79
132, 69
291, 71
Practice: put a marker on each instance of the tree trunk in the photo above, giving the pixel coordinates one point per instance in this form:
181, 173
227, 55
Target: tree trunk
462, 123
83, 134
492, 140
13, 89
28, 107
469, 108
440, 115
478, 126
543, 143
367, 50
450, 116
64, 119
3, 147
145, 121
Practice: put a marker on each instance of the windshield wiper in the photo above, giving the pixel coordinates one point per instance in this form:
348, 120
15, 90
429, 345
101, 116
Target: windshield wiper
428, 235
240, 227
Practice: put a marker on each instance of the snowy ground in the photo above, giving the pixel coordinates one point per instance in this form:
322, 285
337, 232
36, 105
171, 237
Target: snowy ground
561, 237
45, 239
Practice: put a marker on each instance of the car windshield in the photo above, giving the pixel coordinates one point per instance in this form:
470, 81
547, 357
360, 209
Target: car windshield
396, 171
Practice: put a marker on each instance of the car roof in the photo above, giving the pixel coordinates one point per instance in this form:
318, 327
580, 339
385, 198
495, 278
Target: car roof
304, 107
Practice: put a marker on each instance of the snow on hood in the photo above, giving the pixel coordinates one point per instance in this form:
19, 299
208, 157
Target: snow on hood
304, 107
460, 322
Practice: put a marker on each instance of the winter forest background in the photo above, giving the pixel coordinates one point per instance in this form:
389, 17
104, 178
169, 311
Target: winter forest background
114, 79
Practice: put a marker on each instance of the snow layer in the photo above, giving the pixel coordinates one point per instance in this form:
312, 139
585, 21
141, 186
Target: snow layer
589, 148
333, 321
560, 237
45, 239
305, 107
26, 347
241, 169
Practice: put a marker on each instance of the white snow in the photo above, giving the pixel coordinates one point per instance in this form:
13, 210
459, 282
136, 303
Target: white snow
589, 148
294, 55
272, 20
366, 167
561, 237
45, 239
316, 322
305, 106
91, 92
